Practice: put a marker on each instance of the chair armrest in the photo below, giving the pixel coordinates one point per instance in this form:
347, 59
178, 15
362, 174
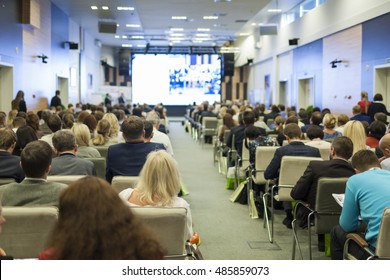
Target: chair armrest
359, 240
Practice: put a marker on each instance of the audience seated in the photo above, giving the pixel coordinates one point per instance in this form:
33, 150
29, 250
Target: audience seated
32, 120
66, 162
114, 127
316, 134
376, 131
18, 122
355, 131
83, 138
159, 137
316, 119
294, 148
54, 123
377, 106
9, 164
158, 185
358, 116
384, 145
43, 122
127, 159
33, 190
329, 122
24, 135
366, 196
94, 224
273, 114
342, 119
227, 124
102, 137
338, 166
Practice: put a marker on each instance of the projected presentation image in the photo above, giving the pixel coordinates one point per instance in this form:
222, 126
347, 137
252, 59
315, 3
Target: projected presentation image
176, 79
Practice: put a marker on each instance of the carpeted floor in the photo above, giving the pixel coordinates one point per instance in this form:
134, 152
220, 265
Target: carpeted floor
225, 228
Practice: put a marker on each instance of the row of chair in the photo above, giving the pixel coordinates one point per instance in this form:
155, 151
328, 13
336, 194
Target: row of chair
27, 228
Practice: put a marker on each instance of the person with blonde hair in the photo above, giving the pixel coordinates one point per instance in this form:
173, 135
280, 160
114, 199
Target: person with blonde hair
83, 138
114, 125
355, 131
11, 116
364, 103
102, 137
158, 185
329, 121
94, 224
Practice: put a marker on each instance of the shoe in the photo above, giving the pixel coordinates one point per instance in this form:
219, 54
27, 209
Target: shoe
287, 222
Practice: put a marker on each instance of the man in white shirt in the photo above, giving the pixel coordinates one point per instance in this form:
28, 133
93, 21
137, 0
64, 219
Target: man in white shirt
159, 137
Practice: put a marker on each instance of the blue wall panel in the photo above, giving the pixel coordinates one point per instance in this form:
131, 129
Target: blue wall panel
375, 49
307, 61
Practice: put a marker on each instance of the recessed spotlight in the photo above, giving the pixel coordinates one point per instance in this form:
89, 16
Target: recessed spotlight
137, 37
127, 45
105, 8
117, 25
210, 17
274, 10
124, 37
254, 24
202, 35
179, 17
217, 1
94, 7
125, 8
141, 46
177, 29
177, 34
133, 25
244, 34
117, 36
176, 41
203, 29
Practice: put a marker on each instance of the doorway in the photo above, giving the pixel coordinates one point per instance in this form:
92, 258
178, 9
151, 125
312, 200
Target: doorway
382, 82
63, 87
283, 93
6, 87
267, 88
305, 92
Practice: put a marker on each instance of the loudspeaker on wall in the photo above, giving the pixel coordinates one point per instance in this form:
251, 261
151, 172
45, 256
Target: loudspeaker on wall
293, 42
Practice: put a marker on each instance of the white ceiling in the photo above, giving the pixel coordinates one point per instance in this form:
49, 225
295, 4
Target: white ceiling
154, 18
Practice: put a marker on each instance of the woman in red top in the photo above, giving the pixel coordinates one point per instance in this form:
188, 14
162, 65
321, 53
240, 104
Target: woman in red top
364, 103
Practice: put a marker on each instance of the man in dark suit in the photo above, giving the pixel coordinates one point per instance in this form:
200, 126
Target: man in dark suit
306, 187
294, 148
316, 119
66, 162
127, 159
358, 116
247, 118
56, 100
9, 164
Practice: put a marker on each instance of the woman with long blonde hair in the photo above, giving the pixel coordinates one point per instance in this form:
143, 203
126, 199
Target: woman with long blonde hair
364, 103
158, 185
114, 125
355, 131
102, 136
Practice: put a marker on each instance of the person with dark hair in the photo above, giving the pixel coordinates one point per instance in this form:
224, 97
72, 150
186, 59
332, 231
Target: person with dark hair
281, 137
367, 194
148, 127
158, 136
67, 121
295, 147
315, 119
127, 159
9, 164
34, 189
56, 100
3, 119
248, 119
32, 120
66, 162
342, 120
377, 106
18, 103
95, 224
91, 123
18, 122
108, 101
24, 135
273, 114
316, 136
43, 119
227, 124
381, 117
306, 187
376, 131
54, 123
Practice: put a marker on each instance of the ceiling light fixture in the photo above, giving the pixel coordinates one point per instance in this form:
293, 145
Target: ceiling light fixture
94, 7
117, 36
177, 34
203, 29
133, 25
127, 45
137, 37
177, 29
105, 8
179, 17
124, 37
125, 8
210, 17
202, 35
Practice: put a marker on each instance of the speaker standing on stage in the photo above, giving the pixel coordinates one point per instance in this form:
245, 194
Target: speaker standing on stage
56, 100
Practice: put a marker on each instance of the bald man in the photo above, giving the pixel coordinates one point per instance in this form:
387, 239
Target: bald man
384, 144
